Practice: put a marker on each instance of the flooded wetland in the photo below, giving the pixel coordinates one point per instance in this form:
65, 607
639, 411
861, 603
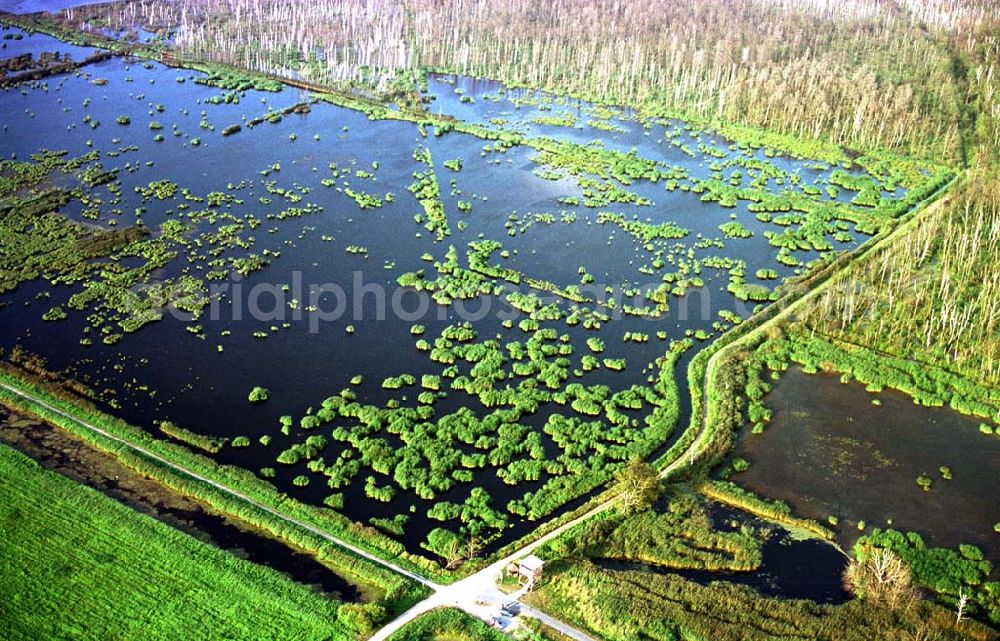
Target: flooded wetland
598, 225
357, 319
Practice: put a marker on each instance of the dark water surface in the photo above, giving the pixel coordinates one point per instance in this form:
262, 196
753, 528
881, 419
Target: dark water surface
791, 569
831, 451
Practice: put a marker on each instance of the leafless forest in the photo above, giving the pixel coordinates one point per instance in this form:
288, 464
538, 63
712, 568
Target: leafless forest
906, 75
935, 294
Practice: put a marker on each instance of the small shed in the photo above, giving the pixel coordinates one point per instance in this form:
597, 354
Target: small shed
529, 570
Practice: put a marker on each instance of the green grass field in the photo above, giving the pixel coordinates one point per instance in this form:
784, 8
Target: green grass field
75, 564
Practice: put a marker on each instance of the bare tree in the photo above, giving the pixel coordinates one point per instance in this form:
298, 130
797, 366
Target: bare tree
454, 554
879, 575
472, 547
963, 601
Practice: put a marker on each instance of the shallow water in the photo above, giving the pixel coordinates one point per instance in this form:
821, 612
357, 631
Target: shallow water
830, 451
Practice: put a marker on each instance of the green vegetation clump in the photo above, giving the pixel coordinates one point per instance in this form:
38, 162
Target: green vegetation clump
365, 201
258, 394
734, 229
210, 444
766, 274
641, 230
614, 364
55, 314
158, 189
426, 190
